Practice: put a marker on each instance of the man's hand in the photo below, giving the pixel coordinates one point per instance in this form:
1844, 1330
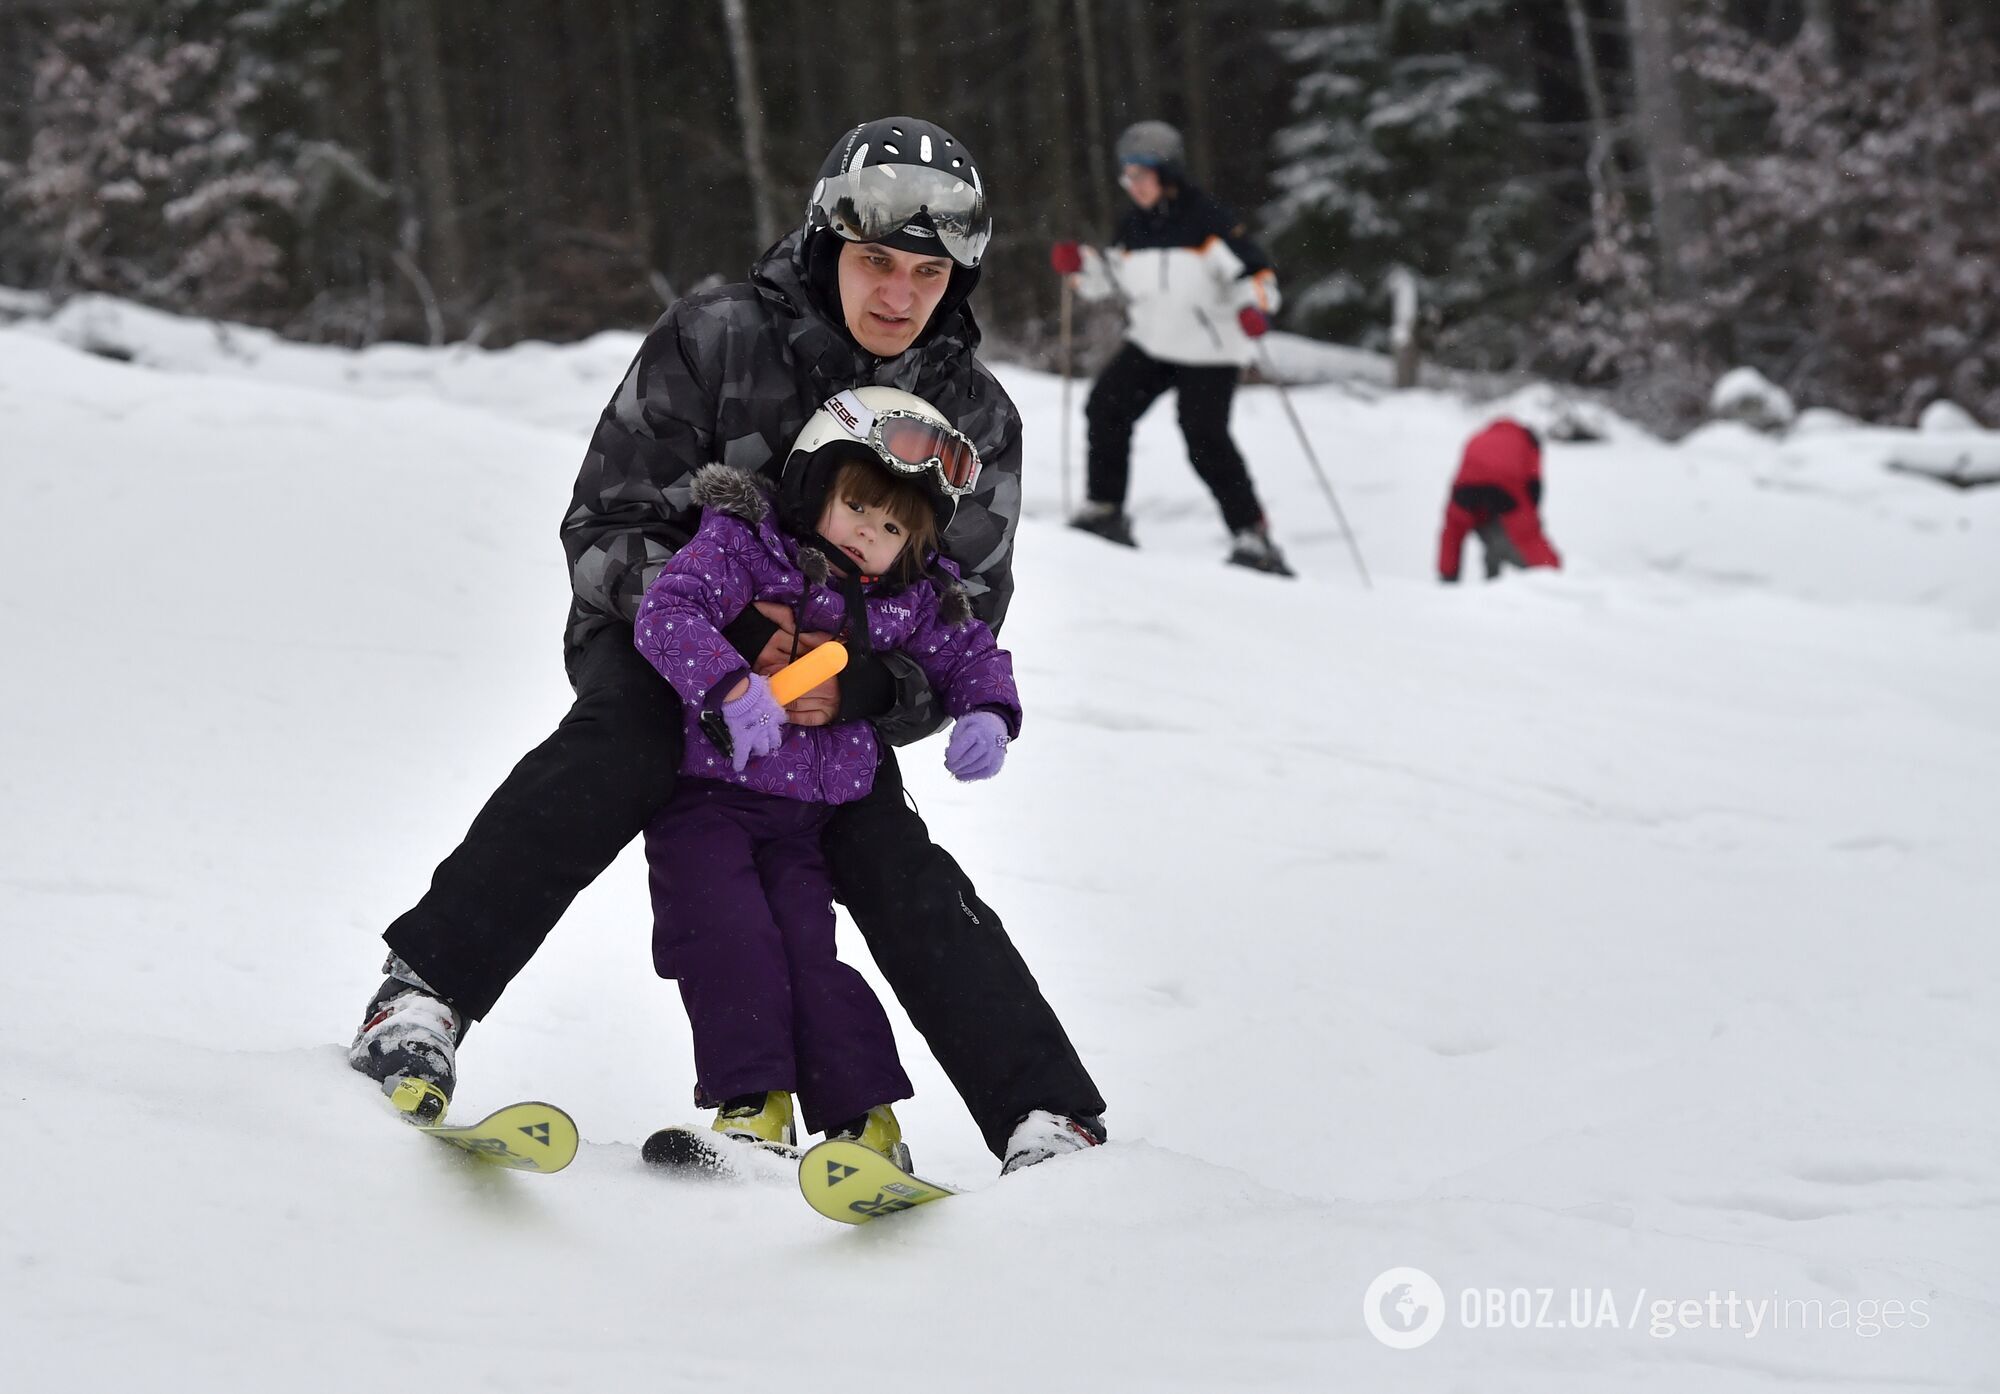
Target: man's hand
822, 704
817, 707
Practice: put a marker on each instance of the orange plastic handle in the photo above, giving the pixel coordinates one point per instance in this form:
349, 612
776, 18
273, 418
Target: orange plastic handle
802, 675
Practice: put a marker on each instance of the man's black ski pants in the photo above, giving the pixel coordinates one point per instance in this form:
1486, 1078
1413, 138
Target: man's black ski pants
576, 800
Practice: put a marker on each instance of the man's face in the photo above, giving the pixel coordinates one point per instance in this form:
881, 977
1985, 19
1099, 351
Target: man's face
887, 296
1142, 182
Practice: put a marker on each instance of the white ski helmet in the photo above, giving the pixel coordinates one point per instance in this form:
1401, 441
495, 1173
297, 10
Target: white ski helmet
899, 429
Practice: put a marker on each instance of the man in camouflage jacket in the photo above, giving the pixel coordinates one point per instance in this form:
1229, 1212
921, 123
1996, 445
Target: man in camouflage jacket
730, 375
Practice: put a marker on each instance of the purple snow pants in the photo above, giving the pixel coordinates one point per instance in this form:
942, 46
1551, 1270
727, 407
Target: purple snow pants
743, 917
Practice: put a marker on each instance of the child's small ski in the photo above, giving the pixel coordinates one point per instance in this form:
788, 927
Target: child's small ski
853, 1184
704, 1151
525, 1137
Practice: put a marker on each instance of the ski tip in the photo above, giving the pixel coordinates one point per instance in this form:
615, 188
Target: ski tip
528, 1136
677, 1148
847, 1182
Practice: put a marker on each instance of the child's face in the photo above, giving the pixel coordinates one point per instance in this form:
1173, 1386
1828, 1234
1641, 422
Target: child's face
868, 534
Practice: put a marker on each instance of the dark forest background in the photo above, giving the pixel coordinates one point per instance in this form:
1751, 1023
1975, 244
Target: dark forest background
1632, 194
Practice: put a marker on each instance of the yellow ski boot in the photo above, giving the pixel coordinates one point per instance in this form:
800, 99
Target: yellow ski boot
878, 1131
759, 1118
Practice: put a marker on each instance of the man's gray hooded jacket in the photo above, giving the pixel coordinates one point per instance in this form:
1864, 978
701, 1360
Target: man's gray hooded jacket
730, 376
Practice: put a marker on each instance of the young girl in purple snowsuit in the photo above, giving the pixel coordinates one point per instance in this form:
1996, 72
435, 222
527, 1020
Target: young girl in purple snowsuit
742, 902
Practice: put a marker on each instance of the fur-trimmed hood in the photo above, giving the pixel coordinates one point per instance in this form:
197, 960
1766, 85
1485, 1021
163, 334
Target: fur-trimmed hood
746, 497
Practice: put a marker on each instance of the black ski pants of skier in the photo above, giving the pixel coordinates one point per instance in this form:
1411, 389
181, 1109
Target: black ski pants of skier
1131, 382
1501, 552
578, 798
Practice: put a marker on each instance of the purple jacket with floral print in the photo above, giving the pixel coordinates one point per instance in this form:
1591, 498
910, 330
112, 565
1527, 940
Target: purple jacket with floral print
738, 556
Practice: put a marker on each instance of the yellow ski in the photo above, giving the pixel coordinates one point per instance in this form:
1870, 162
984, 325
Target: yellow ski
853, 1184
526, 1137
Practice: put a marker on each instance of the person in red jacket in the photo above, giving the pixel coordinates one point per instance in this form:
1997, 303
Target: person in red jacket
1497, 495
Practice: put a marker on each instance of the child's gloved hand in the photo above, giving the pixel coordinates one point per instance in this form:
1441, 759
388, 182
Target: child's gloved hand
756, 723
977, 747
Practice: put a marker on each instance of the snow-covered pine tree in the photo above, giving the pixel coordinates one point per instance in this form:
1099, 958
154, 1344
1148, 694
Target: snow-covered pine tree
147, 175
1850, 248
1409, 147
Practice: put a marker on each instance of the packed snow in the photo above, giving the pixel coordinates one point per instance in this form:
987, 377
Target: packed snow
1594, 942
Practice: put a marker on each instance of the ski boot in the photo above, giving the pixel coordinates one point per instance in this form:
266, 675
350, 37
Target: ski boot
878, 1131
1042, 1135
1254, 549
1105, 520
758, 1118
408, 1043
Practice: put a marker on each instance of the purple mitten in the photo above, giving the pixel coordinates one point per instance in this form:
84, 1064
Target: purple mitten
756, 723
978, 744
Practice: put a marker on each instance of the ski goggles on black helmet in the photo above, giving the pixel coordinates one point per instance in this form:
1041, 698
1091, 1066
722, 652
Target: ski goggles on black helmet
908, 443
875, 202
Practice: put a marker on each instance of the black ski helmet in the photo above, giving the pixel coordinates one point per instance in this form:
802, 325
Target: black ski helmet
937, 165
943, 201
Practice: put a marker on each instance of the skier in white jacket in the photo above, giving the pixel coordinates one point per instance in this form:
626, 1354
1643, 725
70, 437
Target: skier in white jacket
1196, 291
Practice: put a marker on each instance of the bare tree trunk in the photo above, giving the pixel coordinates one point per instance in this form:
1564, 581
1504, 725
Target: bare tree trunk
750, 110
437, 186
1194, 89
401, 162
533, 146
16, 119
1930, 46
1143, 51
1051, 161
1055, 212
1660, 128
808, 55
1093, 114
1597, 164
1930, 61
638, 193
914, 65
1403, 326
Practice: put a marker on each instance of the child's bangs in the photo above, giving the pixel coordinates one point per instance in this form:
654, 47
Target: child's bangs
865, 481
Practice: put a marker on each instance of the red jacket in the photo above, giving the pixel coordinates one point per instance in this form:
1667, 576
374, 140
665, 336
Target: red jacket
1499, 478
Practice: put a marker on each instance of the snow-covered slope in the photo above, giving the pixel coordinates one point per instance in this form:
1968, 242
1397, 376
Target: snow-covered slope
1627, 930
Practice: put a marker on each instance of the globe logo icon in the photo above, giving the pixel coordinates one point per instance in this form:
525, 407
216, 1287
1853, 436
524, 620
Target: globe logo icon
1403, 1308
1400, 1309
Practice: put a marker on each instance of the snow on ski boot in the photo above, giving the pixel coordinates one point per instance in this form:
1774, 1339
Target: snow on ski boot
878, 1131
408, 1042
1105, 520
1253, 548
758, 1118
1042, 1135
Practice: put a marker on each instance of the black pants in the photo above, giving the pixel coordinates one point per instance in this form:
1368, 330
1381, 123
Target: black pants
1132, 382
578, 798
1501, 552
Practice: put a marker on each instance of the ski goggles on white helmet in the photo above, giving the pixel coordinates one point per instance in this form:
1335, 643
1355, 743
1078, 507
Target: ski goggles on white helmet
877, 201
909, 443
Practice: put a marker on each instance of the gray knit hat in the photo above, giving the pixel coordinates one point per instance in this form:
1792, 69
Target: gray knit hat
1153, 143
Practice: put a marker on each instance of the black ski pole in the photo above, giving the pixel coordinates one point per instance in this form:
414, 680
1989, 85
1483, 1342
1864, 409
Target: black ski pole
1318, 473
1067, 287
